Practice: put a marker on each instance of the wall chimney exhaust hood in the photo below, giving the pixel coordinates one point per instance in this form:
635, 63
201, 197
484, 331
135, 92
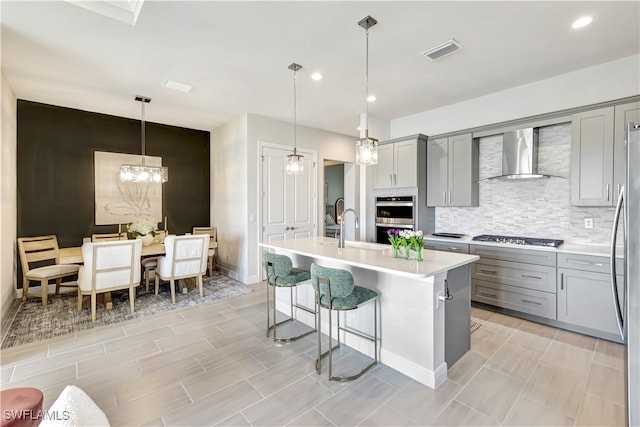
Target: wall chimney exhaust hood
520, 155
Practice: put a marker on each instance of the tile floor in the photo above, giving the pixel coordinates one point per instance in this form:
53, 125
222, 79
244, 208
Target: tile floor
212, 364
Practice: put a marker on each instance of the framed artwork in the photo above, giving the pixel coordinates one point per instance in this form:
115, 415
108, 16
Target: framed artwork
120, 202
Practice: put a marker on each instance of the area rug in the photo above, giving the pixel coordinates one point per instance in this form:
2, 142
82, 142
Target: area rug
35, 322
475, 325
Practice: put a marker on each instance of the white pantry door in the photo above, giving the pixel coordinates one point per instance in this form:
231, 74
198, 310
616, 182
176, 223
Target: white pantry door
288, 201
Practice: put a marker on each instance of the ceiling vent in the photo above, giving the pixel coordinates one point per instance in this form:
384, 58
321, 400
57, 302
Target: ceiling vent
443, 49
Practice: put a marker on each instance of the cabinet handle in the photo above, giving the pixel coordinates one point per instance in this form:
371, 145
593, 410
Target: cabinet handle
531, 302
391, 180
449, 196
488, 271
597, 264
454, 249
607, 192
395, 179
561, 281
486, 294
531, 277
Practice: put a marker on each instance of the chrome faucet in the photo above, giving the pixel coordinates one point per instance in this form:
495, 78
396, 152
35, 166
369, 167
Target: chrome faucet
341, 241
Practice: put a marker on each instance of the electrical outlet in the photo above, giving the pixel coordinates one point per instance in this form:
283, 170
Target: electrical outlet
588, 223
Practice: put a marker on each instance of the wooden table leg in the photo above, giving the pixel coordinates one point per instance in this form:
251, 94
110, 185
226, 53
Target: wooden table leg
106, 300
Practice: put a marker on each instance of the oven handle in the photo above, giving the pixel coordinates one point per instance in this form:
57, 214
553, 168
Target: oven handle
387, 225
394, 203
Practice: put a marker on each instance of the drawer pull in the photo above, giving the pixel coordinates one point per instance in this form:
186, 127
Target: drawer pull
597, 264
531, 277
531, 302
485, 294
453, 249
488, 271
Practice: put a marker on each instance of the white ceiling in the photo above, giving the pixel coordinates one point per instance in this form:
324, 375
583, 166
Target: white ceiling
236, 54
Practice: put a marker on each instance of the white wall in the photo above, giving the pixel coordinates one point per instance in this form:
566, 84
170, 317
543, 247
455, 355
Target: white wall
604, 82
8, 212
229, 195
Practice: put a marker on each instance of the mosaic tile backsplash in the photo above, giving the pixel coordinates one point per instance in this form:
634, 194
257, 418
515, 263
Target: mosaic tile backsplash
530, 208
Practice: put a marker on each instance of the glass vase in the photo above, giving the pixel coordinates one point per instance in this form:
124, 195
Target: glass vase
395, 251
419, 252
407, 251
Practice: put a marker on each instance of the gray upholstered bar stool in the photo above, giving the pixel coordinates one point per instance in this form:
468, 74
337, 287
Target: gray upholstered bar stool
281, 273
336, 291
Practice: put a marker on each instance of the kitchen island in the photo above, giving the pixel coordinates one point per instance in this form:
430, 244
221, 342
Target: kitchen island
411, 321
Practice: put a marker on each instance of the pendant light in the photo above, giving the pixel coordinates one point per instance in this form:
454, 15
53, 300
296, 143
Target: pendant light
143, 173
367, 148
295, 166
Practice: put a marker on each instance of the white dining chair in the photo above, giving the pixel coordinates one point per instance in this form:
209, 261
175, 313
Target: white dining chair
109, 266
185, 257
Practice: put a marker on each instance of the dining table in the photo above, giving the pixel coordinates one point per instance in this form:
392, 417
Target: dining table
73, 255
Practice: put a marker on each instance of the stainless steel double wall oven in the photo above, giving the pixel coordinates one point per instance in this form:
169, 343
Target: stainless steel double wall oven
394, 212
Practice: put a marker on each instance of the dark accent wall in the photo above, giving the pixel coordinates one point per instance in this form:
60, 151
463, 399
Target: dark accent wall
56, 178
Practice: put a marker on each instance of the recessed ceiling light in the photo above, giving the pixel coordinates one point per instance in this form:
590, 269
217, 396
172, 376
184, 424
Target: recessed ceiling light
316, 76
176, 86
582, 22
371, 98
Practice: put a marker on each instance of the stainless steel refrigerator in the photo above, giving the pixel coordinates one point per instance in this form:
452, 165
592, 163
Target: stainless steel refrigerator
627, 302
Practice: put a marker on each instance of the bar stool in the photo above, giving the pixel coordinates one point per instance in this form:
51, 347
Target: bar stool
280, 273
335, 291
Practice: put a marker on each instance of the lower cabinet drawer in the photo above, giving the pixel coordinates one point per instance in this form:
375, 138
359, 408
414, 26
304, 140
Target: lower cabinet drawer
514, 298
530, 276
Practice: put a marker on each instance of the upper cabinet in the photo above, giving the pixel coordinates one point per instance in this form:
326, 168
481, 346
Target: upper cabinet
452, 171
624, 113
398, 162
592, 158
598, 159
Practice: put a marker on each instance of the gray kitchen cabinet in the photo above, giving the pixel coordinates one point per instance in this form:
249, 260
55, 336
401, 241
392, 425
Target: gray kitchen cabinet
592, 158
452, 171
624, 113
516, 279
585, 299
584, 293
397, 164
457, 314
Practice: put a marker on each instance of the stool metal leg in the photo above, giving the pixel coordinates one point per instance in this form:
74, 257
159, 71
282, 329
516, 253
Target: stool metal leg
273, 326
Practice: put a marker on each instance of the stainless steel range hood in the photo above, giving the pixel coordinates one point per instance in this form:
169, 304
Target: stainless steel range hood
520, 155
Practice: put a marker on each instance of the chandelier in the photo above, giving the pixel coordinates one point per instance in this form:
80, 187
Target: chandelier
295, 166
144, 173
366, 147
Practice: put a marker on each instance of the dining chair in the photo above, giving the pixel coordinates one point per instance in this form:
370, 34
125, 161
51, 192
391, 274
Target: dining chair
185, 257
108, 237
335, 291
213, 233
43, 250
109, 266
149, 264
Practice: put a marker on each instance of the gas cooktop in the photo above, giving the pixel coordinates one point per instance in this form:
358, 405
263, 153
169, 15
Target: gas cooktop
533, 241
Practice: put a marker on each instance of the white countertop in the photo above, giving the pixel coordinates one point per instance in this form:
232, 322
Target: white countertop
373, 256
580, 249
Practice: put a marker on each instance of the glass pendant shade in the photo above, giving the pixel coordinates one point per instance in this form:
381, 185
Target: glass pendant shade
295, 165
144, 173
367, 151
